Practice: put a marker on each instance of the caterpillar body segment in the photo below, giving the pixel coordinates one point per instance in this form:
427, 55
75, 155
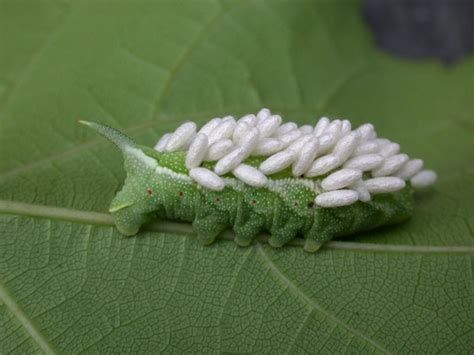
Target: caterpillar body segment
253, 193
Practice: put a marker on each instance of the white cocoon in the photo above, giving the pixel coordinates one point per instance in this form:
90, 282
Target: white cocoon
423, 179
306, 157
364, 162
181, 136
219, 149
306, 129
224, 130
384, 184
269, 125
410, 169
268, 146
161, 145
207, 178
262, 114
321, 126
341, 178
249, 119
390, 165
197, 151
346, 127
250, 175
285, 128
230, 161
323, 165
210, 126
346, 145
289, 137
389, 149
337, 198
366, 148
277, 162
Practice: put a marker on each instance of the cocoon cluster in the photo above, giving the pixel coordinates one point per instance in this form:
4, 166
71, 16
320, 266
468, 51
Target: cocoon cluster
346, 165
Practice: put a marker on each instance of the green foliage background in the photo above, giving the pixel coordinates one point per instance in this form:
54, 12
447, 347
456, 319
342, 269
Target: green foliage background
70, 283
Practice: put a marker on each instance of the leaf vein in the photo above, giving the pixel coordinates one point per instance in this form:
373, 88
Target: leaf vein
27, 324
306, 299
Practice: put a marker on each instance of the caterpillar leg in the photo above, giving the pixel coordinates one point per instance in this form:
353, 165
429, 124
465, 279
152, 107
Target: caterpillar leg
209, 227
247, 223
283, 234
129, 223
312, 245
246, 231
315, 238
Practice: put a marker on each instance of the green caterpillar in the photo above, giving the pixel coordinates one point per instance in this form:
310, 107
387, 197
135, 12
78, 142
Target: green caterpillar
159, 185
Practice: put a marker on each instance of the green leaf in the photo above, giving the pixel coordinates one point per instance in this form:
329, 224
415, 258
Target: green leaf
70, 283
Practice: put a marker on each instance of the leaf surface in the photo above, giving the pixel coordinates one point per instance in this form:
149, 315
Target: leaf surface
70, 283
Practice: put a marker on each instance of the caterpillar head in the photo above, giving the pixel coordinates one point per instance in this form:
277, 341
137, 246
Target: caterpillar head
134, 204
131, 208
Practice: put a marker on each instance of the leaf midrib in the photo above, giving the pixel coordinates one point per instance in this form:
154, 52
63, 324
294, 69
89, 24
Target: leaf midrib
105, 219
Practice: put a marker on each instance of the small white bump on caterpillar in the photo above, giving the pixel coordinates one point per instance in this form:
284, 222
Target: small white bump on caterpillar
197, 151
384, 184
161, 145
337, 198
250, 175
268, 146
249, 119
323, 165
289, 137
390, 165
410, 169
389, 149
181, 136
263, 114
364, 162
367, 147
306, 158
346, 145
277, 162
423, 179
269, 125
341, 178
306, 129
361, 188
285, 128
224, 130
321, 126
209, 127
219, 149
207, 178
